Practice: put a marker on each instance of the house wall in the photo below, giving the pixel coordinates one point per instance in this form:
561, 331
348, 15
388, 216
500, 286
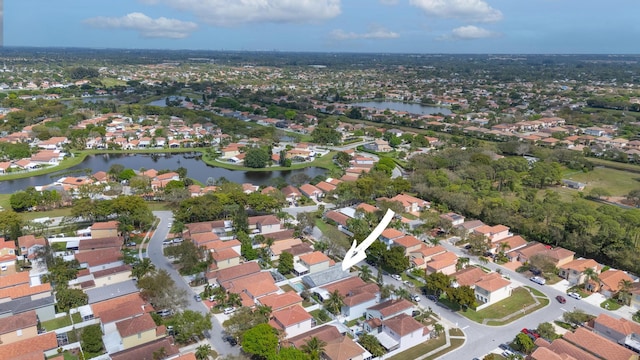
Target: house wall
318, 267
139, 339
268, 229
409, 340
228, 263
573, 276
298, 329
491, 297
18, 335
598, 328
354, 312
113, 279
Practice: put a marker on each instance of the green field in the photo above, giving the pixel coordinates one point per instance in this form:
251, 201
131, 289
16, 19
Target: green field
616, 182
519, 299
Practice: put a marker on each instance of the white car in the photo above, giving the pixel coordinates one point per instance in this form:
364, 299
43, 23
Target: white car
416, 298
396, 277
538, 280
574, 295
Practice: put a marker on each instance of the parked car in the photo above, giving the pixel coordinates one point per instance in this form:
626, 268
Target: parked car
408, 283
231, 340
167, 242
574, 295
416, 298
197, 297
504, 346
538, 280
164, 312
432, 298
561, 299
229, 310
396, 277
177, 240
131, 243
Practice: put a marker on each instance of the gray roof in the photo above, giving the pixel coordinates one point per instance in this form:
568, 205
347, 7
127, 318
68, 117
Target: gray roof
24, 304
323, 277
111, 291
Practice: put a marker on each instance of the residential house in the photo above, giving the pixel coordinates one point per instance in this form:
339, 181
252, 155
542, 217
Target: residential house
281, 301
47, 157
358, 296
104, 229
293, 321
493, 233
252, 286
511, 244
100, 259
311, 191
407, 242
622, 331
559, 256
325, 187
8, 255
18, 327
291, 194
18, 295
386, 310
29, 245
223, 275
338, 346
139, 330
469, 226
148, 350
402, 332
610, 281
111, 291
378, 145
265, 224
225, 258
410, 203
468, 276
314, 262
491, 288
113, 242
38, 347
598, 345
444, 263
573, 271
453, 218
420, 257
337, 217
389, 235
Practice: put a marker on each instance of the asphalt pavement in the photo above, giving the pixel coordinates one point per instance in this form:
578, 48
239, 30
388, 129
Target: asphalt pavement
154, 252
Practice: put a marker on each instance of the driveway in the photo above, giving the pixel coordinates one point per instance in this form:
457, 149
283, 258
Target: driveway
154, 252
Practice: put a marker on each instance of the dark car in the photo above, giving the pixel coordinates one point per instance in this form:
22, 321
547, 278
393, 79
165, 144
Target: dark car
432, 298
231, 340
561, 299
504, 347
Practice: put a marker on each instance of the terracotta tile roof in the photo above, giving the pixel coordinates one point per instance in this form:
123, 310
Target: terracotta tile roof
101, 243
187, 356
116, 303
622, 325
264, 220
543, 353
39, 344
284, 245
581, 265
291, 316
407, 241
325, 186
20, 291
221, 245
258, 284
280, 301
111, 271
468, 276
224, 254
200, 227
107, 225
366, 208
314, 258
290, 190
300, 249
442, 261
200, 239
345, 286
402, 324
391, 233
359, 298
125, 310
99, 257
146, 351
326, 333
514, 242
472, 224
268, 189
234, 272
14, 279
310, 190
611, 279
343, 349
428, 251
598, 345
392, 307
492, 282
135, 325
28, 241
338, 217
490, 230
19, 321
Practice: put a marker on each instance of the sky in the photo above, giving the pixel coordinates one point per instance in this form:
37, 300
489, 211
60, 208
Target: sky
371, 26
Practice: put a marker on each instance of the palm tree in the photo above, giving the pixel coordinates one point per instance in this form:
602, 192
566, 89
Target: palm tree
462, 263
386, 291
335, 302
234, 299
624, 291
503, 247
143, 268
483, 260
314, 347
438, 328
365, 273
264, 311
402, 293
589, 275
203, 352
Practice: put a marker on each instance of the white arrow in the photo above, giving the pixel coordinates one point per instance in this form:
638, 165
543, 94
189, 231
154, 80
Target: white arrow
357, 253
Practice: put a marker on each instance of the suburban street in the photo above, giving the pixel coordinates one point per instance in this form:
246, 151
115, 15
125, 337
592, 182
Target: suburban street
154, 251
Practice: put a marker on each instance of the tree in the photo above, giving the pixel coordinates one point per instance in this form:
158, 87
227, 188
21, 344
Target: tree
624, 291
10, 224
372, 345
256, 158
462, 263
242, 320
365, 273
542, 263
203, 352
523, 343
386, 290
91, 339
291, 353
395, 260
462, 295
577, 317
189, 323
437, 283
590, 274
160, 290
402, 293
334, 303
547, 331
438, 328
314, 348
142, 268
285, 263
70, 298
479, 244
261, 341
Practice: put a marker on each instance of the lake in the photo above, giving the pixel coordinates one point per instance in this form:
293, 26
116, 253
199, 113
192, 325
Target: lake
412, 108
196, 169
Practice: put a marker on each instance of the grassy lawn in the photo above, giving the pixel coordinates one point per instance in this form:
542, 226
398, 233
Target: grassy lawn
419, 350
57, 323
617, 182
612, 305
286, 288
455, 343
456, 332
534, 291
323, 226
68, 356
519, 298
64, 164
109, 82
315, 315
615, 165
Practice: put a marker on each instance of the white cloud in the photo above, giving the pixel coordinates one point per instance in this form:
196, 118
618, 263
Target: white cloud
234, 12
373, 33
469, 10
469, 32
389, 2
146, 26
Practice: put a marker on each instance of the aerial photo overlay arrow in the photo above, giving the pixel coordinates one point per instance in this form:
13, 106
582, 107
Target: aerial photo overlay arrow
357, 253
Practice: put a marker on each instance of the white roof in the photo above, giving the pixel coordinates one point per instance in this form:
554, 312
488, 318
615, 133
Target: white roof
387, 341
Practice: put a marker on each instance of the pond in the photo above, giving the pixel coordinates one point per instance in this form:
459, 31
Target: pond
411, 108
196, 169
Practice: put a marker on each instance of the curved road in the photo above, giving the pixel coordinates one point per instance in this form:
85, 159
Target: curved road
154, 252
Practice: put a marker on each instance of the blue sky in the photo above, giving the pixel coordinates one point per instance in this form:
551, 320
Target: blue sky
398, 26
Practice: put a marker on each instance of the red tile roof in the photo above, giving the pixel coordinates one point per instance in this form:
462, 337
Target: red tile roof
314, 258
402, 324
135, 325
290, 316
